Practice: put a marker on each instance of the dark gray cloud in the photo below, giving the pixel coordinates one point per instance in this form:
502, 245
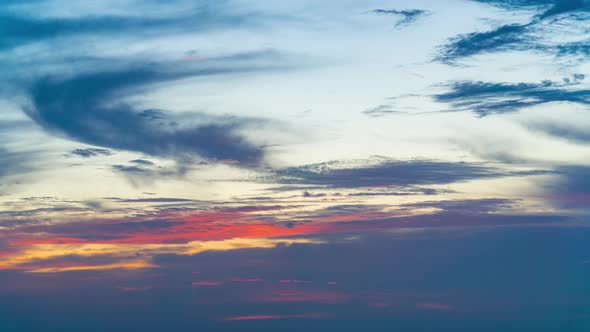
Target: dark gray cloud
485, 98
408, 191
384, 173
561, 130
142, 162
90, 152
571, 188
531, 36
407, 16
140, 175
468, 206
14, 162
89, 108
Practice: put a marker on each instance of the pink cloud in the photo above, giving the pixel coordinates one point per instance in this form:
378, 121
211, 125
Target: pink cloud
207, 283
268, 317
134, 289
247, 280
289, 281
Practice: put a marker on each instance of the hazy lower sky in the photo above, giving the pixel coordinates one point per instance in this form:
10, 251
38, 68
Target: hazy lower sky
401, 165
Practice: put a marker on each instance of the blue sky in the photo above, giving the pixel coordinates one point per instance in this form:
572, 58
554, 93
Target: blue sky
246, 165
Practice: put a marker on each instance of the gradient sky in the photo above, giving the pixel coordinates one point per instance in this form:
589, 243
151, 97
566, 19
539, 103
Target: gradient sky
232, 165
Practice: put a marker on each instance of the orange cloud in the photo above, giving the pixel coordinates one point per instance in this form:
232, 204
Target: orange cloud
132, 265
35, 253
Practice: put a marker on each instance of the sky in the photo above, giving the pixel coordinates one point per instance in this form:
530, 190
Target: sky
292, 165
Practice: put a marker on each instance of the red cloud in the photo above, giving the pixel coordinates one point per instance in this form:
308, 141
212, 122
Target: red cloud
214, 225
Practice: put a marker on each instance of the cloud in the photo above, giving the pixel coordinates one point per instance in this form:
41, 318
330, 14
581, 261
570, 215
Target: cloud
468, 206
534, 35
407, 16
154, 200
89, 108
125, 265
142, 162
570, 132
274, 317
579, 49
14, 162
381, 110
434, 306
382, 172
298, 295
22, 29
90, 152
570, 189
548, 8
207, 283
142, 174
503, 38
485, 98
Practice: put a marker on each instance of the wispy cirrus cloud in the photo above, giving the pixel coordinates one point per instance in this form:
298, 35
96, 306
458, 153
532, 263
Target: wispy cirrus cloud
407, 16
552, 18
383, 172
14, 162
24, 26
90, 152
488, 98
381, 110
575, 133
275, 317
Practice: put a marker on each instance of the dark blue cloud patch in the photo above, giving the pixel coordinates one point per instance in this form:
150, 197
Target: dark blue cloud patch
18, 30
89, 108
548, 8
518, 4
383, 173
565, 6
535, 35
140, 175
579, 50
503, 38
485, 98
90, 152
406, 17
142, 162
